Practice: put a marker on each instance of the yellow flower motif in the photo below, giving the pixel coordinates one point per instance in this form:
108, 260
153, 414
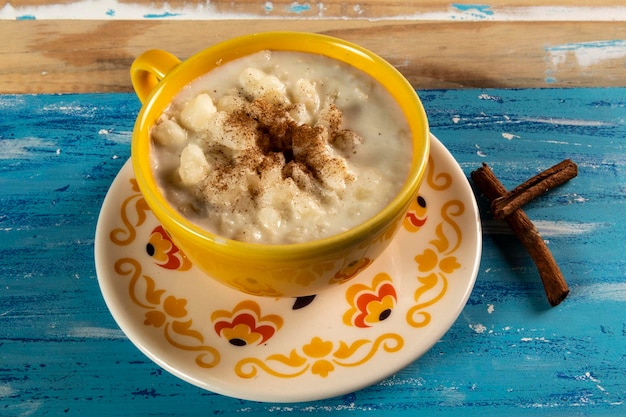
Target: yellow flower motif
322, 368
317, 348
449, 264
428, 260
320, 357
175, 307
172, 307
155, 318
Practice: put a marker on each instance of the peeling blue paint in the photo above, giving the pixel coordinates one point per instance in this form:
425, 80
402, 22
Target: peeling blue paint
587, 45
616, 43
110, 12
476, 10
26, 17
299, 8
160, 15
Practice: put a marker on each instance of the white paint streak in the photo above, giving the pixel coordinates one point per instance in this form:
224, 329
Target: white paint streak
117, 137
485, 96
478, 328
24, 409
24, 147
490, 308
547, 228
6, 390
312, 408
587, 54
532, 339
510, 136
590, 378
96, 333
396, 381
561, 228
602, 292
565, 122
452, 396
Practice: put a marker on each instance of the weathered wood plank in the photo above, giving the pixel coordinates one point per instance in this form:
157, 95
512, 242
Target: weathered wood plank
94, 56
368, 9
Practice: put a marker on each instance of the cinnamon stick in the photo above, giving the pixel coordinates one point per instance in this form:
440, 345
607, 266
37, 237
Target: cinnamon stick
534, 187
553, 282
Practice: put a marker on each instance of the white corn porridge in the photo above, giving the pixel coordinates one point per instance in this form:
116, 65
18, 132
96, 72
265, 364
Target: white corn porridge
281, 147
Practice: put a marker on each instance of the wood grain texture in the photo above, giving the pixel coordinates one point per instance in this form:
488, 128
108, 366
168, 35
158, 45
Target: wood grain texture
368, 9
508, 354
59, 56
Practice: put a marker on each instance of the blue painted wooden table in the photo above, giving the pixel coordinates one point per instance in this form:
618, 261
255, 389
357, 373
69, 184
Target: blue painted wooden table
508, 354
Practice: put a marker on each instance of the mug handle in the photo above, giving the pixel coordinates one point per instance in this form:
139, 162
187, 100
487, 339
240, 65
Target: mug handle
148, 69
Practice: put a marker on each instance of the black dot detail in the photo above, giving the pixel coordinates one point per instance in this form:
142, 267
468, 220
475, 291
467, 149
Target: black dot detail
384, 314
237, 342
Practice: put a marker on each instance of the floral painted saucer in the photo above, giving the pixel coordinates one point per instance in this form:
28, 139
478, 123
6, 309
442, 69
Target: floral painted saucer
292, 349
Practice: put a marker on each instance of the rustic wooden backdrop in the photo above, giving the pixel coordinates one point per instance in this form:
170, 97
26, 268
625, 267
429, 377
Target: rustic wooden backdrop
73, 46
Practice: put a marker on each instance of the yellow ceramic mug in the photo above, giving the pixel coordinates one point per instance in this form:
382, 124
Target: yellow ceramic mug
288, 270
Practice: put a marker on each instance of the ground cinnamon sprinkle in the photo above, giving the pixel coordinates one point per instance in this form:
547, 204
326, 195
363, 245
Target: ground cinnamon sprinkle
507, 206
276, 133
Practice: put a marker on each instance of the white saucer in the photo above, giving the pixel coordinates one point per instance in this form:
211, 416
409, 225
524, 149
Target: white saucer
288, 350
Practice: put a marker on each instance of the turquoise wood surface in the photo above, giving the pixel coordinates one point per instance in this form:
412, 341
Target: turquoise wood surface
508, 354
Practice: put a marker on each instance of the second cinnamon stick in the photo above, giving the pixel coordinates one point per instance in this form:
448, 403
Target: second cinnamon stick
540, 183
553, 282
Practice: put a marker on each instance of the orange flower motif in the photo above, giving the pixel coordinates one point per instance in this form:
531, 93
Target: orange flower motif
370, 304
165, 253
351, 270
244, 325
416, 215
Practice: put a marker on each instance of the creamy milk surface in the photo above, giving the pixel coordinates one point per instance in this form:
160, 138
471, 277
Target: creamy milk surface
281, 147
